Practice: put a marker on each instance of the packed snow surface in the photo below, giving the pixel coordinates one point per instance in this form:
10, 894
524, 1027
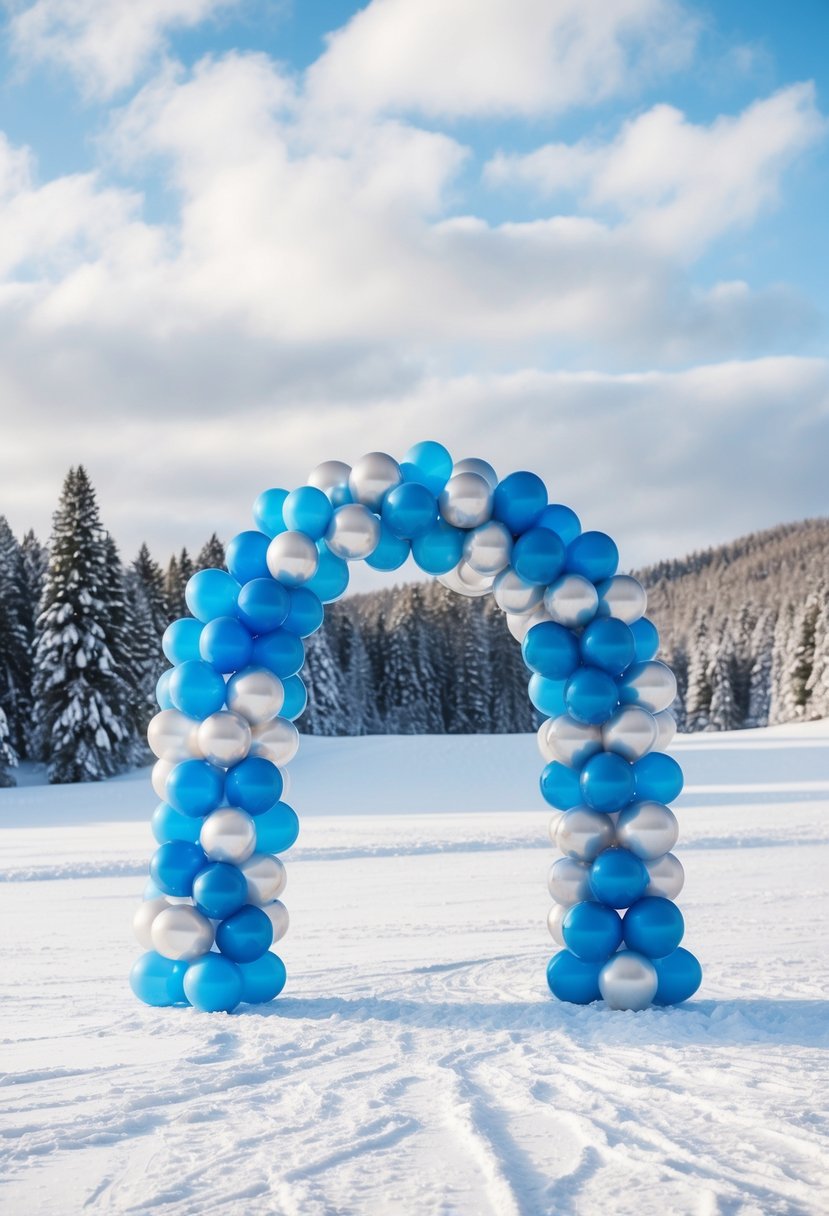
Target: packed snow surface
416, 1062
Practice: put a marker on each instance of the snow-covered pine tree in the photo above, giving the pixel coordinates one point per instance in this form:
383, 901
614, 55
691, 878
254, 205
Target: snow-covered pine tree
173, 591
119, 632
818, 684
15, 643
698, 693
212, 554
148, 618
359, 712
78, 694
35, 563
511, 708
759, 684
723, 713
8, 756
471, 679
324, 715
781, 665
800, 657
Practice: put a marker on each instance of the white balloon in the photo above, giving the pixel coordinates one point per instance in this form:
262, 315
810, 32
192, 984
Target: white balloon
648, 829
142, 922
473, 465
514, 595
228, 835
667, 877
277, 741
224, 738
266, 878
354, 532
277, 914
332, 478
571, 600
666, 729
372, 477
622, 597
488, 548
292, 558
571, 742
181, 933
630, 732
466, 500
172, 736
161, 771
628, 981
520, 625
552, 827
256, 694
554, 918
569, 881
651, 685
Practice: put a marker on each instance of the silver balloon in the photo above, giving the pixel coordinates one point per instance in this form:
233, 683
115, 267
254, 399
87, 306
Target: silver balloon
571, 600
172, 736
228, 835
651, 685
372, 477
631, 732
552, 827
513, 594
472, 585
547, 755
256, 694
648, 829
520, 624
571, 742
277, 741
628, 981
266, 878
292, 558
568, 881
584, 833
286, 783
622, 597
142, 922
667, 877
181, 933
354, 532
224, 738
466, 500
332, 478
554, 918
488, 549
473, 465
161, 771
666, 729
277, 914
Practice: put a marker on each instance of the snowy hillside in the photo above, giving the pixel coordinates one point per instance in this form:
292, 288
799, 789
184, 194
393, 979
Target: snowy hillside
416, 1062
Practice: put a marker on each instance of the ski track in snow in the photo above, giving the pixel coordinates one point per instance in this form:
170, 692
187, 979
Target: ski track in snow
416, 1063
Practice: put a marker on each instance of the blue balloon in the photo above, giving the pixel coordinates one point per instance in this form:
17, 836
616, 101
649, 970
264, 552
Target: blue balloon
181, 640
574, 980
547, 695
307, 510
245, 935
226, 644
427, 464
197, 689
409, 510
538, 556
213, 984
162, 689
560, 786
591, 695
519, 500
211, 593
331, 578
591, 931
653, 926
594, 555
158, 981
254, 785
679, 975
607, 782
276, 829
267, 512
280, 651
264, 604
151, 891
246, 556
195, 787
440, 549
658, 778
608, 643
618, 878
220, 890
560, 519
306, 613
169, 824
174, 866
550, 650
295, 698
645, 639
263, 979
391, 552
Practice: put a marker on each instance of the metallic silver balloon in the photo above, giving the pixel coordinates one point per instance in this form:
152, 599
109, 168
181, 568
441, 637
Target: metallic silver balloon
651, 685
371, 479
622, 597
142, 922
667, 877
520, 624
332, 478
628, 981
172, 736
266, 878
571, 742
554, 918
513, 594
666, 729
568, 881
292, 558
228, 835
466, 500
277, 741
161, 771
571, 600
277, 914
472, 581
473, 465
354, 532
584, 833
648, 829
181, 933
287, 781
630, 732
547, 754
224, 738
256, 694
488, 549
552, 827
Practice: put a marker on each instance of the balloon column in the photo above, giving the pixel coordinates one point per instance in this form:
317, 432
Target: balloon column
225, 731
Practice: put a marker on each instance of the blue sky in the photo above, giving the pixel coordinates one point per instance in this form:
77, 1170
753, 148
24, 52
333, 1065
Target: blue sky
589, 239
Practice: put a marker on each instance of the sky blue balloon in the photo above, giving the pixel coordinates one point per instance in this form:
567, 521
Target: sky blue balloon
158, 981
618, 878
607, 782
550, 650
162, 689
195, 787
427, 464
591, 931
219, 890
169, 824
276, 829
267, 512
246, 556
197, 689
391, 552
594, 555
608, 643
591, 695
409, 510
439, 550
574, 980
254, 785
538, 556
295, 698
306, 612
331, 578
307, 510
181, 640
280, 651
547, 695
679, 975
211, 593
174, 866
658, 777
263, 979
213, 984
263, 604
560, 786
519, 500
560, 519
653, 926
226, 644
645, 639
245, 935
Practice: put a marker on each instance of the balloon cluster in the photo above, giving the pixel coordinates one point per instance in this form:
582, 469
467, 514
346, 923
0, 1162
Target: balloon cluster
225, 730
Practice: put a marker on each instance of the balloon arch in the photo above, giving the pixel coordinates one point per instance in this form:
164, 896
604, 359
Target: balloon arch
225, 733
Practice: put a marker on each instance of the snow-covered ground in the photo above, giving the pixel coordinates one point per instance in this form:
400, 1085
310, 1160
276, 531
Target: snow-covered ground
416, 1062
